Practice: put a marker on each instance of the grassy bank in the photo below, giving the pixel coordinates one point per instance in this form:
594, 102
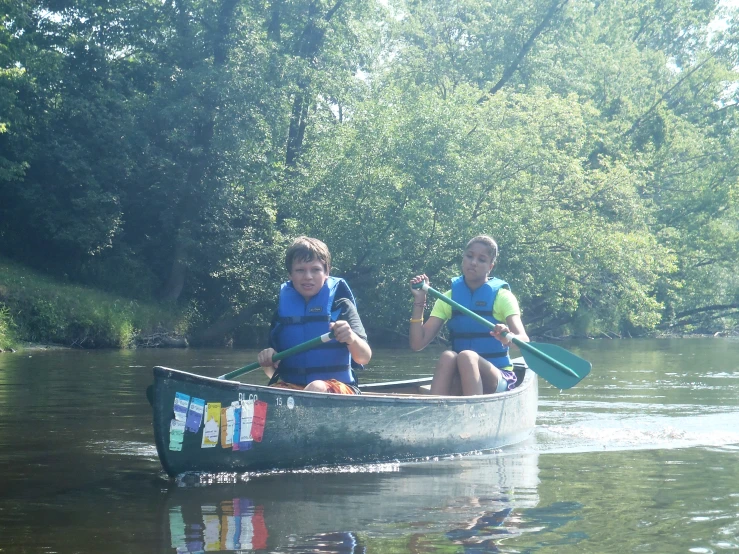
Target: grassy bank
36, 308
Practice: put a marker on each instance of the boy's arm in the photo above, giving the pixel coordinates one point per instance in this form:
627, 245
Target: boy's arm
350, 330
358, 347
265, 356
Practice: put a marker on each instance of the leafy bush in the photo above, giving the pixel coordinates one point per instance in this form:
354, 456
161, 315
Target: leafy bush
48, 311
6, 328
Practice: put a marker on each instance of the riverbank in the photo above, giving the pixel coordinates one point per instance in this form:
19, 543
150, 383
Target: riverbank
37, 312
33, 347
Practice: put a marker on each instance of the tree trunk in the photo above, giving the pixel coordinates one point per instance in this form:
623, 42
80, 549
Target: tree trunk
190, 206
176, 280
509, 71
308, 47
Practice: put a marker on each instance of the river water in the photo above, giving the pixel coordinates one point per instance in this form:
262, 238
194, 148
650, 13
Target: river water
641, 456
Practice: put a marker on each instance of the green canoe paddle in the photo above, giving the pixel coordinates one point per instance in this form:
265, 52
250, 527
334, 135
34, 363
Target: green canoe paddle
297, 349
561, 368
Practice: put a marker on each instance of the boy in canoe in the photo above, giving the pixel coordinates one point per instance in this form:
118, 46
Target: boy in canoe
478, 362
312, 303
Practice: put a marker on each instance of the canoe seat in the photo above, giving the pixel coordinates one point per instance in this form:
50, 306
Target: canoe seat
415, 391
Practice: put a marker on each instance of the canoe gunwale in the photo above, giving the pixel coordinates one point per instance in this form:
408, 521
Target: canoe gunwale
166, 372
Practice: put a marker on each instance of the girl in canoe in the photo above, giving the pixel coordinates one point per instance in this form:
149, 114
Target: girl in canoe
478, 362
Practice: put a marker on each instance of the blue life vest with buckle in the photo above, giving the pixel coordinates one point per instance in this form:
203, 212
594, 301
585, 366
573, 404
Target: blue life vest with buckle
468, 334
299, 321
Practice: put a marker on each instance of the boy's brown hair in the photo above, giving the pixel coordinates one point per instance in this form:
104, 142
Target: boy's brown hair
486, 241
307, 249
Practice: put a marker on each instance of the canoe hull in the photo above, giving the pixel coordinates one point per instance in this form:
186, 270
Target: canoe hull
314, 429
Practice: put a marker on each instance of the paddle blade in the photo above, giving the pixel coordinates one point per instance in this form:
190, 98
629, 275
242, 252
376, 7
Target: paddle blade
579, 368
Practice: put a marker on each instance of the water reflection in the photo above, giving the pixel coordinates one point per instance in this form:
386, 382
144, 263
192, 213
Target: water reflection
230, 525
473, 502
639, 457
487, 532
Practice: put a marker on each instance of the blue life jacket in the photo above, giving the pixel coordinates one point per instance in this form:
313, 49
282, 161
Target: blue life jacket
298, 322
468, 334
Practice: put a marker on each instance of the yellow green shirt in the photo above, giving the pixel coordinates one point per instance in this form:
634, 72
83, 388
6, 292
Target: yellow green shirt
505, 305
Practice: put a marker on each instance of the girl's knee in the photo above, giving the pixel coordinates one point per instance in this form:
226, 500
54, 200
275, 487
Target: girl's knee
447, 361
468, 357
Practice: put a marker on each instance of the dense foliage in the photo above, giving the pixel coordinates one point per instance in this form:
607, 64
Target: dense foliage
41, 309
171, 150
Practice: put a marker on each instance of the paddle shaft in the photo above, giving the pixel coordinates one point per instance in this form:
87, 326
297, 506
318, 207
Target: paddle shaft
297, 349
513, 338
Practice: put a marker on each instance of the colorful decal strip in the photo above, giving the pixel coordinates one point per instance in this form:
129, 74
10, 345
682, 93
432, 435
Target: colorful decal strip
212, 425
237, 426
232, 525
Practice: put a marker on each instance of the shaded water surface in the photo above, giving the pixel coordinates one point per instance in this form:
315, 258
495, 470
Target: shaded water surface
642, 456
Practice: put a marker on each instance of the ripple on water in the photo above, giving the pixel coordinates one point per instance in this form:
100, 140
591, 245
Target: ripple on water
720, 431
124, 448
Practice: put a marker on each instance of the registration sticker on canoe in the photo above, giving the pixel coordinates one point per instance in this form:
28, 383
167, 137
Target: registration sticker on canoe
177, 424
237, 425
195, 415
260, 417
176, 434
227, 427
181, 402
212, 425
247, 418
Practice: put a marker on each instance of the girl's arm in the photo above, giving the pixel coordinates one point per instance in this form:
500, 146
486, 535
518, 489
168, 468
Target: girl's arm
421, 335
513, 325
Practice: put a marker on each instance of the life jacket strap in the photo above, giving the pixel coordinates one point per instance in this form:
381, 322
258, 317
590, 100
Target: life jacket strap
298, 319
489, 354
455, 336
493, 354
482, 313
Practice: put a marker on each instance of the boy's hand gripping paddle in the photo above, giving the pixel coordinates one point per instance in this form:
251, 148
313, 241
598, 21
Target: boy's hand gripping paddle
297, 349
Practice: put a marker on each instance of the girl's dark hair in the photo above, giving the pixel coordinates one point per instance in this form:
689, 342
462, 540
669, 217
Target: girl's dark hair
486, 241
